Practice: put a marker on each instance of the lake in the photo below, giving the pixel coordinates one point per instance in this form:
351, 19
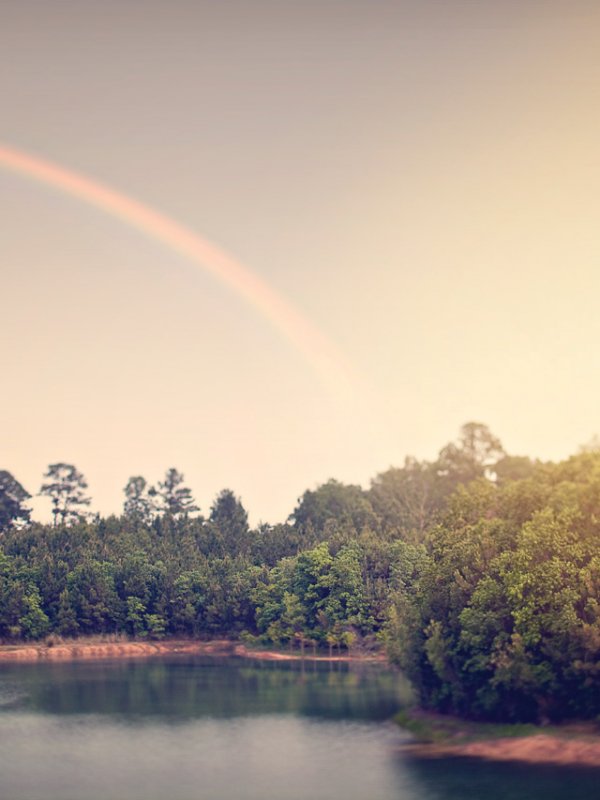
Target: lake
186, 728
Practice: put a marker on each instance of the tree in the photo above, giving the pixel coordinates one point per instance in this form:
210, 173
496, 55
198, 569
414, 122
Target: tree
271, 543
593, 446
311, 580
345, 602
475, 453
231, 518
406, 499
177, 500
67, 624
513, 468
333, 504
33, 622
136, 612
293, 620
92, 594
187, 602
12, 502
138, 506
66, 489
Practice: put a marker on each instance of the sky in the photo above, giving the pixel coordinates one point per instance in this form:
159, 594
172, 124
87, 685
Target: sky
417, 183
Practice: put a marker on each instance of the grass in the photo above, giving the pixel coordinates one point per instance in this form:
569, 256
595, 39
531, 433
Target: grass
430, 728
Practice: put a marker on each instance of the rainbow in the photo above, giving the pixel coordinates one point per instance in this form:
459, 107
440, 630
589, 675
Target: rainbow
315, 347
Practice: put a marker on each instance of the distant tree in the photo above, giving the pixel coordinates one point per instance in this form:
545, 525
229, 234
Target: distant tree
293, 620
138, 506
177, 500
273, 542
67, 624
12, 502
345, 601
231, 518
93, 596
33, 622
311, 580
593, 446
65, 487
475, 453
187, 602
513, 468
406, 499
136, 613
333, 503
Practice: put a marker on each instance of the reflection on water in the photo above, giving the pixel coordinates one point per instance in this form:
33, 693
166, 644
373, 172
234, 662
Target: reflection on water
185, 687
188, 728
472, 779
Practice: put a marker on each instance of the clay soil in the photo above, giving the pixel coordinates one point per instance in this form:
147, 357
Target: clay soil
574, 744
537, 749
85, 650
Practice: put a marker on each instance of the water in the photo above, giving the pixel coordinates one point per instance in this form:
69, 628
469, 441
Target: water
195, 729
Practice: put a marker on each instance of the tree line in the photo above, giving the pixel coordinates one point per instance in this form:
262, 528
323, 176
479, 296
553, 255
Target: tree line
478, 572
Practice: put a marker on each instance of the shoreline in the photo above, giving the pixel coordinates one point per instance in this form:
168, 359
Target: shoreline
540, 748
434, 736
90, 650
575, 744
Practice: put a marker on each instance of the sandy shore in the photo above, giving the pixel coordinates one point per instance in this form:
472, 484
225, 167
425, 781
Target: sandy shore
536, 749
444, 736
83, 650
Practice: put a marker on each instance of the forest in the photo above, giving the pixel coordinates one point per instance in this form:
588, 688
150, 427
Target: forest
477, 573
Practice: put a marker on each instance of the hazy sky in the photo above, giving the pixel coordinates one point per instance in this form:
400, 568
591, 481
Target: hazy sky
420, 179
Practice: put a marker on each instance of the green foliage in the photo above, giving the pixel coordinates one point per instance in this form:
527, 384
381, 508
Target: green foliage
91, 587
13, 499
478, 572
156, 626
66, 619
65, 486
176, 499
21, 613
503, 621
187, 602
230, 519
33, 622
408, 499
475, 452
333, 508
139, 505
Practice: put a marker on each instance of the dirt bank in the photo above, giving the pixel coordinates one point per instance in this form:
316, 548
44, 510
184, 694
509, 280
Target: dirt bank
538, 749
97, 649
83, 650
439, 736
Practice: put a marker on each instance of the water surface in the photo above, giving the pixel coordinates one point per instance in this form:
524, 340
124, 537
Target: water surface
185, 728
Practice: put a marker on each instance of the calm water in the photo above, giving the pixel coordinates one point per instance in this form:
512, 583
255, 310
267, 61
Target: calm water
187, 728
